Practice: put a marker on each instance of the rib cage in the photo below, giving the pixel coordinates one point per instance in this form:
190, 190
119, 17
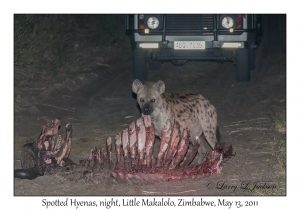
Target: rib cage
135, 162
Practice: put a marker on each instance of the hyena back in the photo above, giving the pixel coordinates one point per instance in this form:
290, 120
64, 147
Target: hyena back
192, 111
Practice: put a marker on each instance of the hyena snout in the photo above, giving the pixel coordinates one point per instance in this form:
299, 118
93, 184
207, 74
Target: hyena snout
147, 109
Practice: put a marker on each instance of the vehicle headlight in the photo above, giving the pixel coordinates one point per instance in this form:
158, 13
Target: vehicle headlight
227, 22
153, 22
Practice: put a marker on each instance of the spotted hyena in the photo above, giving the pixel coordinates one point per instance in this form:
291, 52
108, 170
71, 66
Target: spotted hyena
190, 110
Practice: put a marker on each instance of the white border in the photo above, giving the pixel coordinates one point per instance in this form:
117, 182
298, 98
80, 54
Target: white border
216, 6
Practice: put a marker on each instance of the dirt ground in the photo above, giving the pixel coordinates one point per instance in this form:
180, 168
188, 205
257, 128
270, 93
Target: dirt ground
106, 105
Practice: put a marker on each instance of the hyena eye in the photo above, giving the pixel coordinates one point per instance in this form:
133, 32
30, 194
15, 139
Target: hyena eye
152, 100
142, 100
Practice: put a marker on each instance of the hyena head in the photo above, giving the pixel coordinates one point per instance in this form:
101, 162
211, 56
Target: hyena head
148, 95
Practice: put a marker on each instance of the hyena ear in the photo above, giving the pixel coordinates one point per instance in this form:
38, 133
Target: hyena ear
136, 85
160, 86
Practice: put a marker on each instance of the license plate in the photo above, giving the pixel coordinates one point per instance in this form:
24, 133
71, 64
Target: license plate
189, 45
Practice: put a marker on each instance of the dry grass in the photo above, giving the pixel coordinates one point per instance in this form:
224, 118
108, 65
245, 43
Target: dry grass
278, 158
279, 123
49, 49
52, 40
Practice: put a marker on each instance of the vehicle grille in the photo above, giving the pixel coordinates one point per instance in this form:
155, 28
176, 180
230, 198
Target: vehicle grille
188, 22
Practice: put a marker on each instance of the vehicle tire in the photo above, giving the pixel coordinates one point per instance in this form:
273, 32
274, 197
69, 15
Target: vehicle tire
242, 65
140, 68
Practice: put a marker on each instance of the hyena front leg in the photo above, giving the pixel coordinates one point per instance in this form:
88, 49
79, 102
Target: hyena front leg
203, 149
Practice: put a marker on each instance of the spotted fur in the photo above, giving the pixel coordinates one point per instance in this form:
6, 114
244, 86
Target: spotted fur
192, 111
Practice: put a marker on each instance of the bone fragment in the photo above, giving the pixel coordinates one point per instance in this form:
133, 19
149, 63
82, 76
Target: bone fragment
139, 122
147, 121
65, 148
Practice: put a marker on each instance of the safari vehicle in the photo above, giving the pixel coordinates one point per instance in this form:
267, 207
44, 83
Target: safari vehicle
179, 38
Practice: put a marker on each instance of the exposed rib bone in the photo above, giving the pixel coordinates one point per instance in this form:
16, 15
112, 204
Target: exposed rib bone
150, 137
193, 153
118, 144
103, 156
99, 156
109, 150
141, 144
132, 142
93, 157
165, 140
182, 148
175, 138
125, 143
